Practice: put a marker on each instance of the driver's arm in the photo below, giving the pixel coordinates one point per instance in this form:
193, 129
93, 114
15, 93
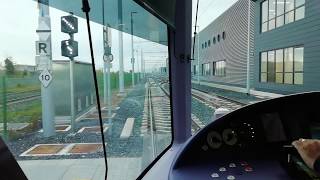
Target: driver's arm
309, 151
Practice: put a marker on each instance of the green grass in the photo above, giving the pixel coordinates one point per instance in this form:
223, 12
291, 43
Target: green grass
23, 88
28, 113
31, 114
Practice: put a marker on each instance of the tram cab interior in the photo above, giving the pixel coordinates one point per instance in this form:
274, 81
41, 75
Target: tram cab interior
250, 143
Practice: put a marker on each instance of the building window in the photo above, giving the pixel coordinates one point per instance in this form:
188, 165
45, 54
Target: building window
288, 66
271, 67
219, 68
206, 69
218, 37
205, 44
195, 69
298, 65
209, 43
276, 13
264, 16
224, 35
279, 66
264, 67
202, 46
282, 66
214, 40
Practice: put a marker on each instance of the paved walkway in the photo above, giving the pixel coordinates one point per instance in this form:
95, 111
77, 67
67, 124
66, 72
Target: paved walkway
239, 89
81, 169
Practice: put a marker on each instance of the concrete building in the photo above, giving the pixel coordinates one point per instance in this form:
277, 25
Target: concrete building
284, 46
287, 46
223, 47
25, 68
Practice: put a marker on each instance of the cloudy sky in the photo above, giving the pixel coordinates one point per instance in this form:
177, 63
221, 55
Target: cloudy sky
18, 36
209, 10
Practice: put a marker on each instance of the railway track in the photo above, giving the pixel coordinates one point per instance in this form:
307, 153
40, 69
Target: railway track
157, 112
215, 101
15, 98
158, 103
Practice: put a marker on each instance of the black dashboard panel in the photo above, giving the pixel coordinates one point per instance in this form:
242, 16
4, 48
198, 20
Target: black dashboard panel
252, 142
9, 168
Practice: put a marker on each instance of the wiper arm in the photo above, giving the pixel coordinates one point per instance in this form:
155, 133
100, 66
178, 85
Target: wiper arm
86, 10
195, 31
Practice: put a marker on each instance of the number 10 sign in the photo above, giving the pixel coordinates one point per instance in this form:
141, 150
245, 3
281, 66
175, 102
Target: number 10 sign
45, 78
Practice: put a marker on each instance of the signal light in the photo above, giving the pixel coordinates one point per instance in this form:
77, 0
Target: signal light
69, 24
69, 48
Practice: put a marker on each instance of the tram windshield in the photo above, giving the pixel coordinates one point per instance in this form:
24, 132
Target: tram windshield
243, 52
48, 114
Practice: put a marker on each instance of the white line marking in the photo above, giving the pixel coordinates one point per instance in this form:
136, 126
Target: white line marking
127, 128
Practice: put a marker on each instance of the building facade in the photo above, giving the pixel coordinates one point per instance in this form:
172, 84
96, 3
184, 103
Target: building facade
223, 47
287, 46
26, 68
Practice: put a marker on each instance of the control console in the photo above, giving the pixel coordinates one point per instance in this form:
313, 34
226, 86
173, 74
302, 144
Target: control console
253, 142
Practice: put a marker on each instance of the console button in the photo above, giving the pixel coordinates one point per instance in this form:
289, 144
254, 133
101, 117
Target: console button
232, 165
215, 175
243, 163
222, 169
248, 169
230, 177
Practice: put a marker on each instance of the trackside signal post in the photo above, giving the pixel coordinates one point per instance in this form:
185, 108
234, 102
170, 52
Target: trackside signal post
44, 66
107, 60
69, 48
121, 68
132, 50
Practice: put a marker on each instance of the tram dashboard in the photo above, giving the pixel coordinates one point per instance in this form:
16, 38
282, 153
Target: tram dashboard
253, 142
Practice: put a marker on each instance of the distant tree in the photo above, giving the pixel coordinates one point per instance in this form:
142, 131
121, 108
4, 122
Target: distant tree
9, 66
25, 73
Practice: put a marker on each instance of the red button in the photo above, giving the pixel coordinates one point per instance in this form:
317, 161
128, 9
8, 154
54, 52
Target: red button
248, 169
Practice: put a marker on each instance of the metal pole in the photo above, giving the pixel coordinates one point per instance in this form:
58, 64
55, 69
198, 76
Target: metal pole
142, 64
48, 123
132, 50
198, 70
138, 68
105, 32
248, 52
109, 97
107, 67
72, 104
121, 75
4, 107
105, 83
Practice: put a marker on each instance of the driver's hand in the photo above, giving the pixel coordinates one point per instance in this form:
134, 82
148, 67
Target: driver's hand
309, 150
